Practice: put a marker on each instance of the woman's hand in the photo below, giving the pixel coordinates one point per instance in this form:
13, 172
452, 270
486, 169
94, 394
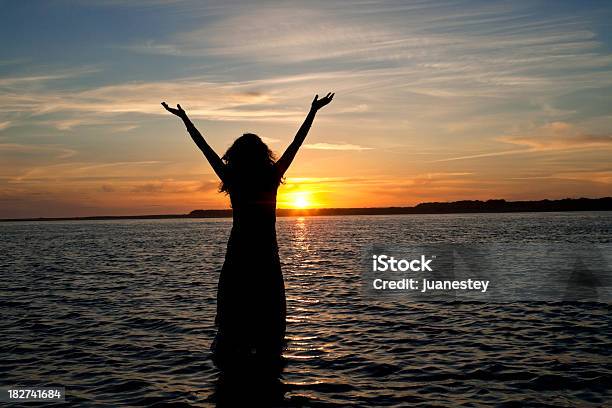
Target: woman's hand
319, 103
178, 112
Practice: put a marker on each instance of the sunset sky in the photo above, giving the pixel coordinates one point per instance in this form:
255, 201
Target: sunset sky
435, 101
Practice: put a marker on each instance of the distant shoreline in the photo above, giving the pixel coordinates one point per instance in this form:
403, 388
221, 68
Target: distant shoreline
454, 207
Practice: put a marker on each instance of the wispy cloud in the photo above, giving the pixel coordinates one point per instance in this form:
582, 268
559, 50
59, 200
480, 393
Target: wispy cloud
554, 136
171, 186
223, 101
456, 54
38, 79
79, 170
559, 136
483, 155
56, 151
335, 146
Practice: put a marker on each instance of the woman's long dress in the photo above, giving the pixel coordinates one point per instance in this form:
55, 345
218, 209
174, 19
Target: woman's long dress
251, 306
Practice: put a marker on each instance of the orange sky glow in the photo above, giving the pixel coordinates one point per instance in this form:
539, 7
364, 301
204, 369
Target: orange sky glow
433, 103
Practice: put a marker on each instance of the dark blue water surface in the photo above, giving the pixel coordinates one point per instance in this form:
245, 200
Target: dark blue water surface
121, 313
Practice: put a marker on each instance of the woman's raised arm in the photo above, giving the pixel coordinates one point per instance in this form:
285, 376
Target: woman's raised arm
212, 157
285, 161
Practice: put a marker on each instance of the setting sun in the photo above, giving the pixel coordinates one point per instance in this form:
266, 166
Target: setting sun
301, 200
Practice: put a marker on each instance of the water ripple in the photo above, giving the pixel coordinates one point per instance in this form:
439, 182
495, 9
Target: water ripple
121, 313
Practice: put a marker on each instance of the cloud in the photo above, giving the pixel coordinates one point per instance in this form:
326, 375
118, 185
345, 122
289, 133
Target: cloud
80, 171
547, 142
125, 128
275, 99
554, 136
360, 108
381, 59
57, 151
438, 50
383, 181
559, 136
483, 155
208, 186
171, 186
223, 101
333, 146
26, 80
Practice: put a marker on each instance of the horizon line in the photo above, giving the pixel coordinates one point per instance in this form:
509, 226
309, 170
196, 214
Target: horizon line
495, 205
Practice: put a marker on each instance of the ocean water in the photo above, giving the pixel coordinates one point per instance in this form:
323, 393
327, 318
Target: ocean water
121, 313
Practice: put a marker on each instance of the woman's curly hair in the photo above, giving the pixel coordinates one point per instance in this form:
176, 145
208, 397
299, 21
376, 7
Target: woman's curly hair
249, 164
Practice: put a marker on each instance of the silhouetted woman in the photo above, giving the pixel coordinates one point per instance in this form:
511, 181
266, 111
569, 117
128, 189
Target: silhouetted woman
251, 293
